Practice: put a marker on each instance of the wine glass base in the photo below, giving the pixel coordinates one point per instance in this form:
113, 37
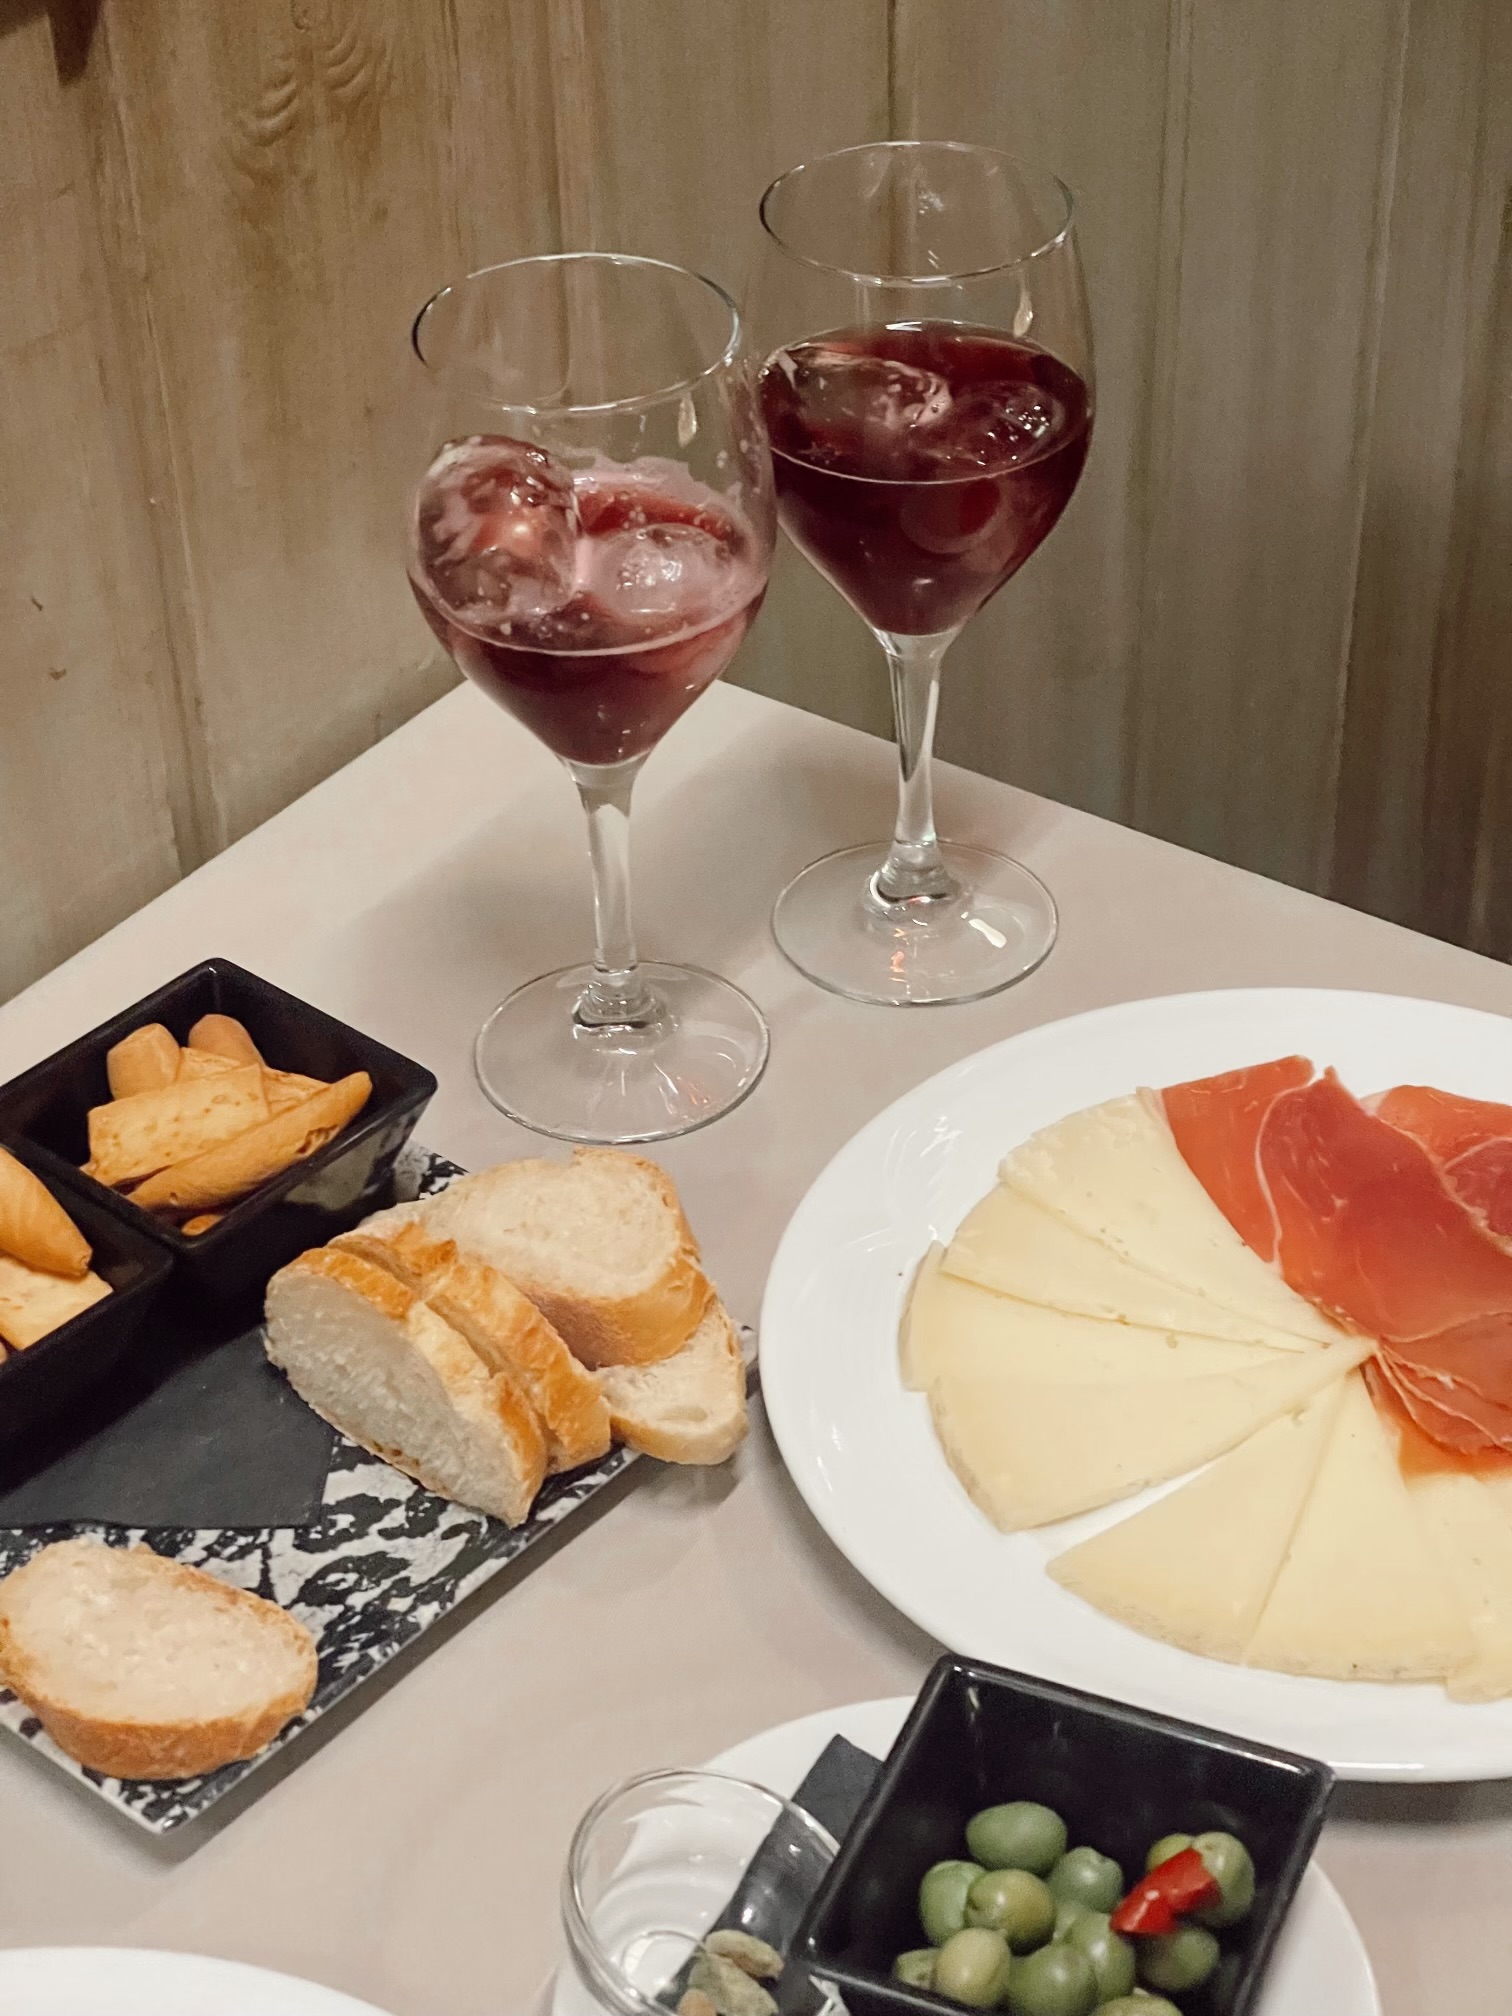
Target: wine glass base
702, 1053
997, 928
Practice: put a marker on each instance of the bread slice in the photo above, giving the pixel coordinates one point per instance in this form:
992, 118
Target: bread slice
686, 1409
371, 1358
506, 1330
143, 1668
598, 1243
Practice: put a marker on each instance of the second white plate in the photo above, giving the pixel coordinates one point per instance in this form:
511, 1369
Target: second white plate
863, 1453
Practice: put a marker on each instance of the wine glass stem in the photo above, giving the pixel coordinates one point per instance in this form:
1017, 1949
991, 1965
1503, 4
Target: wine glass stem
616, 996
914, 867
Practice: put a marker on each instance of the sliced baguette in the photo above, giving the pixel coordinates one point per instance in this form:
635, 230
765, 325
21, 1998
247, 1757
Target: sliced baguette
506, 1330
140, 1667
687, 1409
598, 1243
372, 1359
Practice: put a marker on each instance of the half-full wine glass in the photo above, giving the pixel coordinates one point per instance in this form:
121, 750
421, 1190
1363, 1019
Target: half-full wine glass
590, 539
928, 391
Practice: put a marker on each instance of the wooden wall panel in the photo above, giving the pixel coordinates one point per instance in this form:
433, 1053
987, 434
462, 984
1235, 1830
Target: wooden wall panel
86, 822
672, 117
1037, 688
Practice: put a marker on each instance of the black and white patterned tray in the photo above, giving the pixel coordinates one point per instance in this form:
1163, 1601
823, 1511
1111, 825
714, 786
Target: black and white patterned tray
383, 1562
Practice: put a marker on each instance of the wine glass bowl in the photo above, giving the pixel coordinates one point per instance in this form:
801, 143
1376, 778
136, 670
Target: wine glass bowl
928, 391
590, 540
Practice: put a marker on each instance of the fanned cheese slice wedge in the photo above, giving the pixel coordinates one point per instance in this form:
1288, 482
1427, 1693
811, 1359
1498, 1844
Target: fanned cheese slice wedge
1196, 1567
1116, 1174
951, 1327
1472, 1539
1361, 1595
1016, 1247
1029, 1452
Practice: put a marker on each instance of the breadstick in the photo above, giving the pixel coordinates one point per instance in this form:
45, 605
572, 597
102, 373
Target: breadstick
208, 1181
287, 1088
144, 1061
201, 1223
206, 1064
34, 1304
131, 1138
34, 1227
224, 1036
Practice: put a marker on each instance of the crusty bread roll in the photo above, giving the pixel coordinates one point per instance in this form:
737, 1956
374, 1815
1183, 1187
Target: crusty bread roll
205, 1182
144, 1061
34, 1227
140, 1667
34, 1303
135, 1137
506, 1330
687, 1409
224, 1036
372, 1359
599, 1244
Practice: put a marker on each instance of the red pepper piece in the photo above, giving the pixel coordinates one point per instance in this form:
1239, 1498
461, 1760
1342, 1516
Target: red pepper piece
1166, 1895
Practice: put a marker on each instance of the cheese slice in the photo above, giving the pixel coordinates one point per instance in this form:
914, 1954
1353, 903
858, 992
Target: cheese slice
1361, 1595
1012, 1245
1029, 1452
952, 1327
1472, 1541
1116, 1174
1196, 1567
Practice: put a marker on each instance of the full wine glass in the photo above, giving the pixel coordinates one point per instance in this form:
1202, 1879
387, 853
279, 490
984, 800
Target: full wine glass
928, 392
590, 538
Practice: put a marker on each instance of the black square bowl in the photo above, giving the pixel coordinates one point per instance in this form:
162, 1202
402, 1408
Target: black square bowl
1120, 1778
47, 1108
50, 1378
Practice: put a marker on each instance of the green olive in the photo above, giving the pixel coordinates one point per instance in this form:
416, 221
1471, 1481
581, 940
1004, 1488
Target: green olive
972, 1967
1012, 1902
1085, 1877
1167, 1846
1175, 1961
1228, 1863
1056, 1981
1137, 2005
1020, 1835
1066, 1915
1112, 1955
916, 1969
942, 1898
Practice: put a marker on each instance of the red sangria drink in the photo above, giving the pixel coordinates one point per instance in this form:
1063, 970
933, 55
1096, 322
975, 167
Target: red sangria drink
596, 604
919, 466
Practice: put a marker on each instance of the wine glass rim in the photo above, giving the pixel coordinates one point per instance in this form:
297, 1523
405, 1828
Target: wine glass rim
951, 279
632, 401
584, 1941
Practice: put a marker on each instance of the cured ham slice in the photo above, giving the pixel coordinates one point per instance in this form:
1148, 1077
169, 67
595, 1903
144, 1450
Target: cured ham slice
1217, 1122
1470, 1139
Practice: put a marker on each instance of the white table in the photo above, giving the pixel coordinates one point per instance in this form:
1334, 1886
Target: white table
410, 1850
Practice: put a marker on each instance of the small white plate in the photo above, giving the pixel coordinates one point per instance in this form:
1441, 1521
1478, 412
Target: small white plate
133, 1981
1320, 1967
862, 1450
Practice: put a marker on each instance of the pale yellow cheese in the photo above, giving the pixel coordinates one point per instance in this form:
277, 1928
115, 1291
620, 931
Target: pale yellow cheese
1472, 1540
1116, 1174
1030, 1452
952, 1327
1012, 1245
1196, 1567
1361, 1595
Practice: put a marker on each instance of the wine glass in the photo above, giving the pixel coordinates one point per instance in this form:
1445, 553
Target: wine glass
928, 391
590, 539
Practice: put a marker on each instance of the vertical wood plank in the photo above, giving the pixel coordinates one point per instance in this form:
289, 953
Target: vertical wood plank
86, 818
672, 117
1037, 688
1280, 170
321, 167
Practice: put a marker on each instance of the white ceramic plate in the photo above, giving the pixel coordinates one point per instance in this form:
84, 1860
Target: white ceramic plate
122, 1981
863, 1453
1319, 1967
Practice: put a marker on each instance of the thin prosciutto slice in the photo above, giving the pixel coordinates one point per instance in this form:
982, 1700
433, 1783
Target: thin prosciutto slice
1360, 1220
1470, 1140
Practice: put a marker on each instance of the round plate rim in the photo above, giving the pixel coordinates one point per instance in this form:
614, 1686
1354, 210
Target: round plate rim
783, 1360
155, 1971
